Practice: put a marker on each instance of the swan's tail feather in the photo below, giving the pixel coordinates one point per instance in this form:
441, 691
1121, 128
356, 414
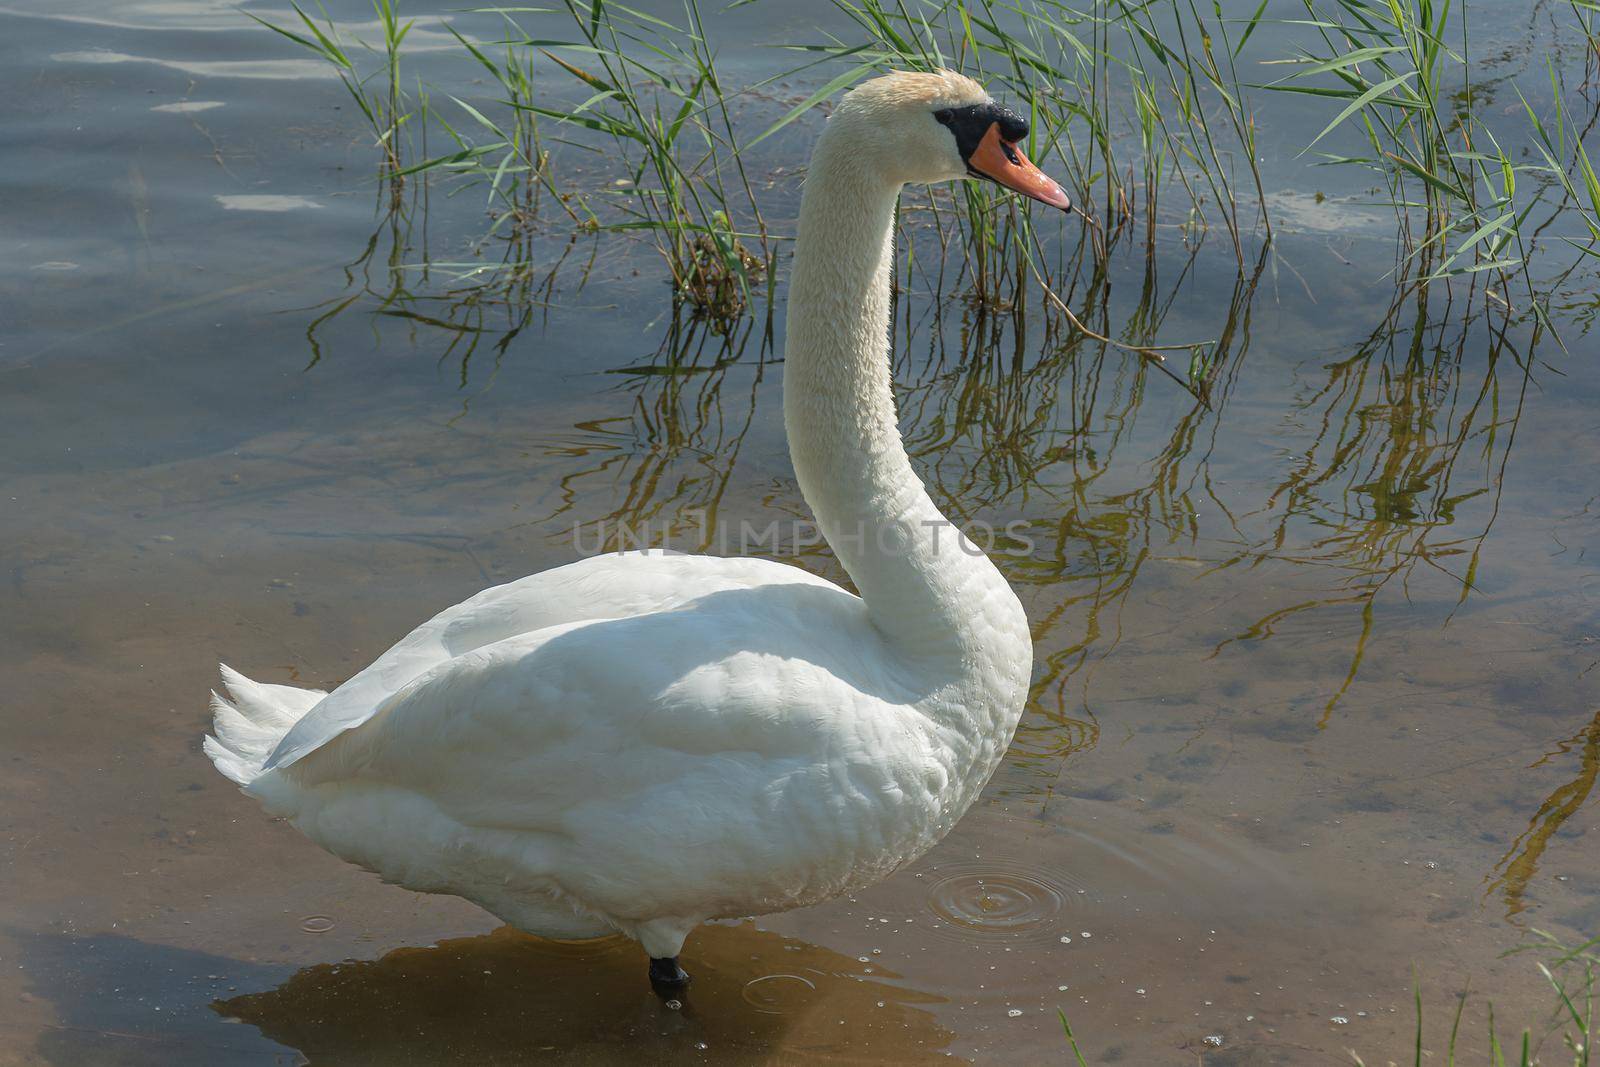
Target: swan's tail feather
249, 722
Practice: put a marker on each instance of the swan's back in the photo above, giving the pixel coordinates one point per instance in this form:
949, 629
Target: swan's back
612, 586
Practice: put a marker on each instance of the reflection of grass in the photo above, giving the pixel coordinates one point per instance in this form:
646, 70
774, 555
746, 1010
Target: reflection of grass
1521, 861
1395, 422
677, 414
471, 305
1011, 416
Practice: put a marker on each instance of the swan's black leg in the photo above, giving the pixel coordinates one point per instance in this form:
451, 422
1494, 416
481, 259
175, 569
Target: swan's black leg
666, 976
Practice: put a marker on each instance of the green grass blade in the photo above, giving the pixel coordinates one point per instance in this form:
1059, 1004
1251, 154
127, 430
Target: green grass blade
1072, 1041
1360, 102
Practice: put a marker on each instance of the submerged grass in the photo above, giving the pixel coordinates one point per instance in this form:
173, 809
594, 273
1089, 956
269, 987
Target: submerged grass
1571, 973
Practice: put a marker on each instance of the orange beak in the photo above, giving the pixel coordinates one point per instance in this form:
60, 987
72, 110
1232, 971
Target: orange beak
1004, 164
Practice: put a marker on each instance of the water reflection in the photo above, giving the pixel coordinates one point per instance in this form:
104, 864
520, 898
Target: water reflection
279, 69
1104, 528
1518, 866
486, 303
506, 996
660, 467
1396, 439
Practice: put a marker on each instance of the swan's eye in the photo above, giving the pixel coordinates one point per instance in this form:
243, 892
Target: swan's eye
1011, 153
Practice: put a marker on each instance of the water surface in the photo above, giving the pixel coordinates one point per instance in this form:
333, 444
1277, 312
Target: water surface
1316, 690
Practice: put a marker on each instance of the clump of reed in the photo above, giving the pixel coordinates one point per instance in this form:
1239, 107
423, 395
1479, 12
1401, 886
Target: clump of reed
1403, 75
375, 92
514, 165
650, 91
658, 98
1138, 103
1067, 69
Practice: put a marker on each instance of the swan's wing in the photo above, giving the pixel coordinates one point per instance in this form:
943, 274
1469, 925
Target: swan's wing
764, 723
617, 585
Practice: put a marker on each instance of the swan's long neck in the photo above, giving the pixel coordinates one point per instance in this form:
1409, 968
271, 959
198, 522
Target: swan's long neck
927, 590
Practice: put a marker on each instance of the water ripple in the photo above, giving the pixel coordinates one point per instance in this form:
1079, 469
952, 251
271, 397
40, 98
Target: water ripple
999, 901
779, 994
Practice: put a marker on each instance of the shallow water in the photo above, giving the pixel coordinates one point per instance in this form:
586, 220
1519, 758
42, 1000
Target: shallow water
1318, 666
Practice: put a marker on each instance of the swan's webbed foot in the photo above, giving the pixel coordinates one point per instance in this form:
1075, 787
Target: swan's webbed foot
666, 977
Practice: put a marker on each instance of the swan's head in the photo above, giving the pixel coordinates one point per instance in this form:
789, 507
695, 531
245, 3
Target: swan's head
937, 127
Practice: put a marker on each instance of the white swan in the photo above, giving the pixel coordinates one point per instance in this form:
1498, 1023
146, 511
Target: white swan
640, 742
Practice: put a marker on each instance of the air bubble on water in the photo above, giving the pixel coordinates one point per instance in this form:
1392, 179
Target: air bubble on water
1065, 940
877, 952
880, 1003
1086, 934
316, 924
1061, 988
701, 1045
1431, 865
1139, 991
1339, 1020
1214, 1040
674, 1005
1015, 1013
863, 959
